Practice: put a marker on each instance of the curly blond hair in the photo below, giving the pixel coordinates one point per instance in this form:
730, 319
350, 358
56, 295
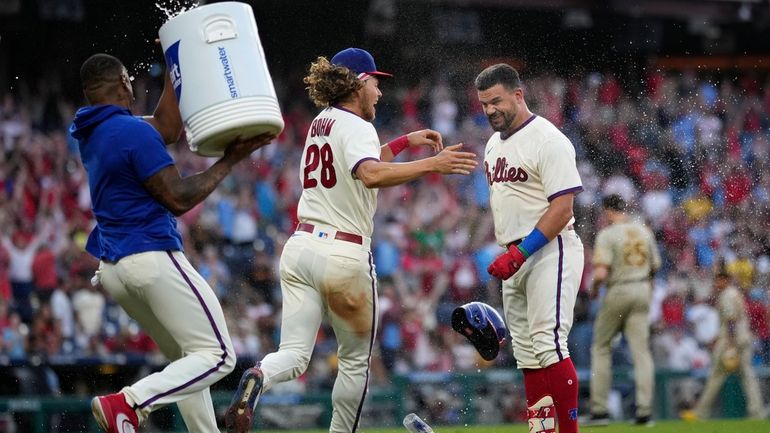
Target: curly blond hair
328, 84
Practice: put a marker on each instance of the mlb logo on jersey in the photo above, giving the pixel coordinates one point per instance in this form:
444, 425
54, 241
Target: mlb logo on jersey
323, 235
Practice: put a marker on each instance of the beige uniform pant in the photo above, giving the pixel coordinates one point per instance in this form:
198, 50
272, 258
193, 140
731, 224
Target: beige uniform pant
539, 302
717, 378
177, 308
625, 308
321, 276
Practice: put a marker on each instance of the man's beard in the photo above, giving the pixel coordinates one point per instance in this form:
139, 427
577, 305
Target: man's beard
368, 112
507, 121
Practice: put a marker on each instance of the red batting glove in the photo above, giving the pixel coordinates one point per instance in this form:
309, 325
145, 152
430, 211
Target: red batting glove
507, 264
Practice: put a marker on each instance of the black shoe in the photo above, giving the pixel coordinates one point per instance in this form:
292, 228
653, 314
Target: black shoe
596, 420
644, 421
238, 417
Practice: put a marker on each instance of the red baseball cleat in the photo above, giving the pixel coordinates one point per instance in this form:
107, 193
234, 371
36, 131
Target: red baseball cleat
114, 415
241, 411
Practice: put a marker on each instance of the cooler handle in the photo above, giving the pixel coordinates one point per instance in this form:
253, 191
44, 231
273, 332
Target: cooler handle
219, 29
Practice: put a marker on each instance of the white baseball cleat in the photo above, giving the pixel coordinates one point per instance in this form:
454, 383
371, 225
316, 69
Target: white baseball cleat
541, 416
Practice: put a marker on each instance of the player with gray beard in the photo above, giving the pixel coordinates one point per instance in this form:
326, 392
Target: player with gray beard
326, 266
625, 257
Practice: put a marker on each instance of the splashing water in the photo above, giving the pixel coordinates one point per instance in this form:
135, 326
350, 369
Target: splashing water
170, 9
173, 8
142, 66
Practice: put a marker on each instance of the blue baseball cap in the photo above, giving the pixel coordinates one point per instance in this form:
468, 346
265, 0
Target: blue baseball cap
359, 61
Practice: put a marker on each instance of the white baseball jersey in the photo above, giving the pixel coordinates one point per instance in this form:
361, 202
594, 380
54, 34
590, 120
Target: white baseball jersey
525, 172
337, 142
326, 277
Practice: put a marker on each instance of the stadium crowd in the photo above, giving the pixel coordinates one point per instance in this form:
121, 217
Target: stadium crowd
687, 149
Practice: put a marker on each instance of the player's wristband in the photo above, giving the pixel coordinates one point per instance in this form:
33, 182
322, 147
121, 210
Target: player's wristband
398, 145
533, 242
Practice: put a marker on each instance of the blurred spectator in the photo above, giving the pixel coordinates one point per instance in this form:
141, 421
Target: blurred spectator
692, 152
88, 304
703, 319
5, 282
757, 310
14, 338
64, 314
390, 332
45, 277
21, 249
677, 350
130, 340
214, 270
262, 279
45, 335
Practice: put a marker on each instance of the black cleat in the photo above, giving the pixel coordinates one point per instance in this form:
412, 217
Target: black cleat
239, 415
596, 420
645, 420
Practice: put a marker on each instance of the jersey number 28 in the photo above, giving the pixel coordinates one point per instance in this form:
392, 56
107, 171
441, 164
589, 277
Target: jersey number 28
324, 157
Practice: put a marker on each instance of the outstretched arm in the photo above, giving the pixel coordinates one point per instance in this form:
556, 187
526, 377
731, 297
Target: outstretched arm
179, 194
424, 137
379, 174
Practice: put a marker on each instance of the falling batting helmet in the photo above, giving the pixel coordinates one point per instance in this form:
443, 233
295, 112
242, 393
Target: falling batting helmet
482, 325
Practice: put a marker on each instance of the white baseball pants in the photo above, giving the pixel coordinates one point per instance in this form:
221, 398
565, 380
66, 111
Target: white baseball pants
321, 276
539, 301
177, 308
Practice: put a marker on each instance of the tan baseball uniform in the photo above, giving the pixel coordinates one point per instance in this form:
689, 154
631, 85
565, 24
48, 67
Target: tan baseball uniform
525, 172
628, 249
326, 266
732, 308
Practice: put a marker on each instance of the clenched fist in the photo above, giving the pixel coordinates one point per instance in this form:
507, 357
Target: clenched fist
507, 264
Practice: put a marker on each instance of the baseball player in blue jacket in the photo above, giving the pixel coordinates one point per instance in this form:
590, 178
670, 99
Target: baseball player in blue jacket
136, 193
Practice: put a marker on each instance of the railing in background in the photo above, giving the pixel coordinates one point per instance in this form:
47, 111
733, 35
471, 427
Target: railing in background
468, 398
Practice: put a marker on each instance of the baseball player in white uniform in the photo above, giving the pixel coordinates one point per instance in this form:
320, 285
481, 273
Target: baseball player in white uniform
532, 179
326, 266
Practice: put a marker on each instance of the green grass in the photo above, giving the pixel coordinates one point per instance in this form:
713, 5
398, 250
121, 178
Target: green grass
710, 426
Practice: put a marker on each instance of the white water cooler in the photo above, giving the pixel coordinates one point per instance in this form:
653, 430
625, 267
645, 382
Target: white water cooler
218, 67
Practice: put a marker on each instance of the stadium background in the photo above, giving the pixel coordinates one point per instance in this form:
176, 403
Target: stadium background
667, 103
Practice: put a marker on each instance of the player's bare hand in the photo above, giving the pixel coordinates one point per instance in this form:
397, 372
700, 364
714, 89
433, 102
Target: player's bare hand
426, 137
240, 148
452, 160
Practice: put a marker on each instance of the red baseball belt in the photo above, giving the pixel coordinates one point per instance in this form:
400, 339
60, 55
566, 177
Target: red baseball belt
340, 236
